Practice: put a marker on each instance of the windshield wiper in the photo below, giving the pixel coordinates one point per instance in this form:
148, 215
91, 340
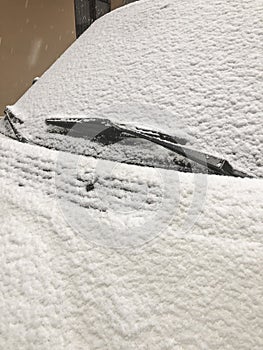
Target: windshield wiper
11, 119
107, 132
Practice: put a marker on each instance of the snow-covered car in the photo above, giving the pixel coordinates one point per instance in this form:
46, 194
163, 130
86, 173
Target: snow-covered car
131, 186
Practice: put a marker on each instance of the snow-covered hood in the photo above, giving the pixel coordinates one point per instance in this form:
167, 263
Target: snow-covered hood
131, 263
167, 64
102, 255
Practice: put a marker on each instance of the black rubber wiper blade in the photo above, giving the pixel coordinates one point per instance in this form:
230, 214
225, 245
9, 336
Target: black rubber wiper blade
217, 165
113, 132
118, 130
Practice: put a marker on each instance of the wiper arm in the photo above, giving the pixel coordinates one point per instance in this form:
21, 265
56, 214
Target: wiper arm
112, 133
9, 117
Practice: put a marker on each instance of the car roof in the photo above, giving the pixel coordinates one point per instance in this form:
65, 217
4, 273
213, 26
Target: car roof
173, 65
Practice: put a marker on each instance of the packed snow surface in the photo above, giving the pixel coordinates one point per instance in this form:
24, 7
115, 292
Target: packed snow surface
97, 254
108, 269
128, 264
192, 65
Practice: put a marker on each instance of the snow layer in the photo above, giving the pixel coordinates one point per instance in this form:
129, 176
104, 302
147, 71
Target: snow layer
187, 270
195, 283
199, 60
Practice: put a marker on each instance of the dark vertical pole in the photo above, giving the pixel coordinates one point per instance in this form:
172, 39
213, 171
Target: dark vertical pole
87, 11
82, 15
92, 10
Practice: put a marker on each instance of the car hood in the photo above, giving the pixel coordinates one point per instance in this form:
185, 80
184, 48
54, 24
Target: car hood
146, 258
191, 67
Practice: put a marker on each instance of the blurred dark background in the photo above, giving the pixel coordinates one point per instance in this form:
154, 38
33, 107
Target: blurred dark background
34, 33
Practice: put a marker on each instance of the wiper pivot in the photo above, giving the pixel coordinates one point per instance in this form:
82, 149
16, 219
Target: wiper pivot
10, 118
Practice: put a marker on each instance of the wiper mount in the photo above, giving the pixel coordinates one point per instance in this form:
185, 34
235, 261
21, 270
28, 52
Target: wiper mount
11, 119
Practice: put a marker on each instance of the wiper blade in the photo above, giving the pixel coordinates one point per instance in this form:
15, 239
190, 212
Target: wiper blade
112, 132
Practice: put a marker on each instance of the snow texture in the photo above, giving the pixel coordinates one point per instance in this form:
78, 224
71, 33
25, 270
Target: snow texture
151, 258
200, 61
199, 288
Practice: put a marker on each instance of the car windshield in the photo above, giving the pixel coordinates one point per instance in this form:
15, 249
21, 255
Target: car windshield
125, 143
